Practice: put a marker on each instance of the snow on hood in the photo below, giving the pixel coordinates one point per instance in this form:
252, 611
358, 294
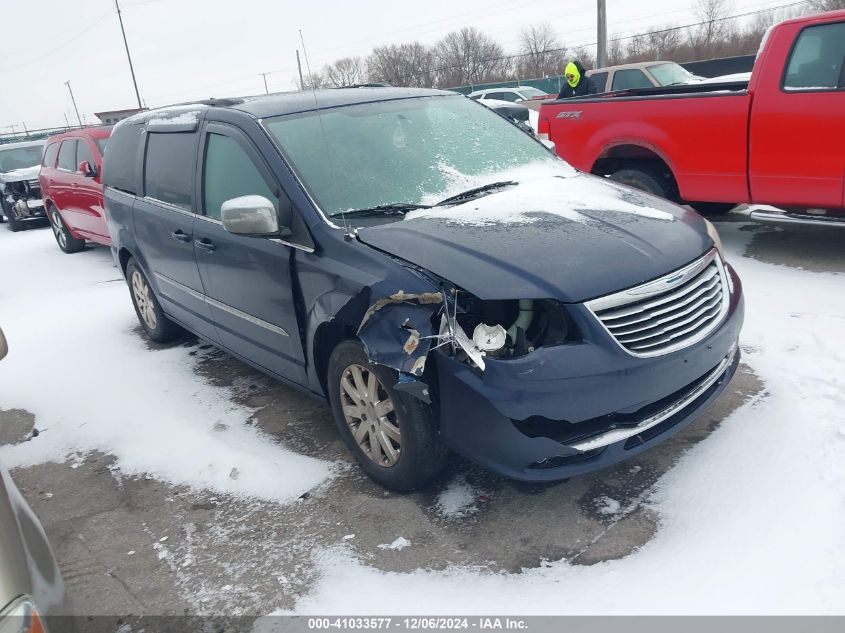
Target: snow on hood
543, 188
25, 173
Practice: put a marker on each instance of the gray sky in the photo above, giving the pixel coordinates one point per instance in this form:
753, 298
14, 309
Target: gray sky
192, 49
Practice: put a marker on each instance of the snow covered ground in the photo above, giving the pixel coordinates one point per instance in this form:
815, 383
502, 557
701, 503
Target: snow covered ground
78, 364
751, 520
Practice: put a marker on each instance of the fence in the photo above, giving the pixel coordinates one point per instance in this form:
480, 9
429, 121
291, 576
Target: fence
705, 68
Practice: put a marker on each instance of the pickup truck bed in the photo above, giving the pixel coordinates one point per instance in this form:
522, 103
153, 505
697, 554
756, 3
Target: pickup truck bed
778, 139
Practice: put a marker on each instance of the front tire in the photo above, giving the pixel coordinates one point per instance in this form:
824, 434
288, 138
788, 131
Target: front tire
67, 242
157, 326
644, 180
712, 208
392, 434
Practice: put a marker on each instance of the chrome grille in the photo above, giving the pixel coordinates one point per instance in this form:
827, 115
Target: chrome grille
669, 313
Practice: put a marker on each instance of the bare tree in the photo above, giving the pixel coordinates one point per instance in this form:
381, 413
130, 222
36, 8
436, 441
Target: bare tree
714, 27
410, 64
313, 81
469, 56
346, 72
826, 5
616, 52
540, 52
583, 55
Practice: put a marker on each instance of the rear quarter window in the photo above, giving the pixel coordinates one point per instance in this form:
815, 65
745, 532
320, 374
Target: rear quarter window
169, 167
120, 167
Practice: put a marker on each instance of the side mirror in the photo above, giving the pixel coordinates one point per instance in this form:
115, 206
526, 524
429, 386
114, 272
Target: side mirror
250, 215
4, 347
87, 169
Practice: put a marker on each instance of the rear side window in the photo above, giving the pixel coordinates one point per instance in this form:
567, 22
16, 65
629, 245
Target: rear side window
229, 173
83, 152
120, 167
817, 59
169, 167
50, 155
600, 81
67, 155
630, 79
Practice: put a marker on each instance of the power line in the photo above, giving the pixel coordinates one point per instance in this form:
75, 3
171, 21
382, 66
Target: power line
60, 46
619, 39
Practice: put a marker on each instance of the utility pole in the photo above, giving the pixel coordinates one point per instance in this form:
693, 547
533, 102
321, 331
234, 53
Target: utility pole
128, 56
264, 75
299, 65
601, 48
78, 118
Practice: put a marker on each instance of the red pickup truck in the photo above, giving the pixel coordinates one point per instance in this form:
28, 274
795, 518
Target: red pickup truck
778, 139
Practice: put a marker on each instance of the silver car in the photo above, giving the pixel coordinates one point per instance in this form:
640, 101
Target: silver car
30, 582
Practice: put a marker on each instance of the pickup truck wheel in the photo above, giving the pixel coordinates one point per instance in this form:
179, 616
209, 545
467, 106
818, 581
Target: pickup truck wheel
67, 242
712, 208
392, 435
647, 181
157, 326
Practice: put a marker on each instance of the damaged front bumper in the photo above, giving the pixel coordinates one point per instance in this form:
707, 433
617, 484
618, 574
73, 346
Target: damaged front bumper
570, 409
22, 200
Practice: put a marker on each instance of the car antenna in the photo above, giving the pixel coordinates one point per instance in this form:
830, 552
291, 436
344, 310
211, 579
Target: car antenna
332, 170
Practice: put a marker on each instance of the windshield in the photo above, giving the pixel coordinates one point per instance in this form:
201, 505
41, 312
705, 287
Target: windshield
528, 93
405, 151
20, 157
671, 73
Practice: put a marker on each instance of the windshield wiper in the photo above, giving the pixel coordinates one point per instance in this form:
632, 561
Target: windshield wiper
398, 208
477, 192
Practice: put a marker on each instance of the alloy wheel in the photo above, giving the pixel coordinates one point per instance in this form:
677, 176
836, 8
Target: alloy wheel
370, 415
144, 300
58, 229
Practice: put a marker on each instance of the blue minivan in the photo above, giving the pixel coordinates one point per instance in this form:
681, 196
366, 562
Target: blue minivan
439, 276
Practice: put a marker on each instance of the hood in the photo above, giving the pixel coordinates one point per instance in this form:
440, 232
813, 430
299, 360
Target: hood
16, 175
566, 238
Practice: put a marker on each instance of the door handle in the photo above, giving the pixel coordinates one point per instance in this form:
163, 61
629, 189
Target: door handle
206, 245
180, 236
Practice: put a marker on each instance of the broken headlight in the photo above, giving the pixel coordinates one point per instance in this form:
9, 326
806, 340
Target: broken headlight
507, 329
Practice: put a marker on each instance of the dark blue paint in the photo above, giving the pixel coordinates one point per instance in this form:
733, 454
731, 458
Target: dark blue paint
320, 293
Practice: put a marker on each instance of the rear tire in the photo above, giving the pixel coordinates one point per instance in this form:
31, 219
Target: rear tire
644, 180
712, 208
157, 326
392, 434
67, 242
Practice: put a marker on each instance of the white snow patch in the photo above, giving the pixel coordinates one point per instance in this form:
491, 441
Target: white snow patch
400, 543
189, 117
750, 519
457, 500
608, 505
551, 187
92, 383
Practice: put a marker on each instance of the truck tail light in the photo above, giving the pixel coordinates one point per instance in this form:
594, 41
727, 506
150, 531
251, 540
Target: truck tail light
543, 127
